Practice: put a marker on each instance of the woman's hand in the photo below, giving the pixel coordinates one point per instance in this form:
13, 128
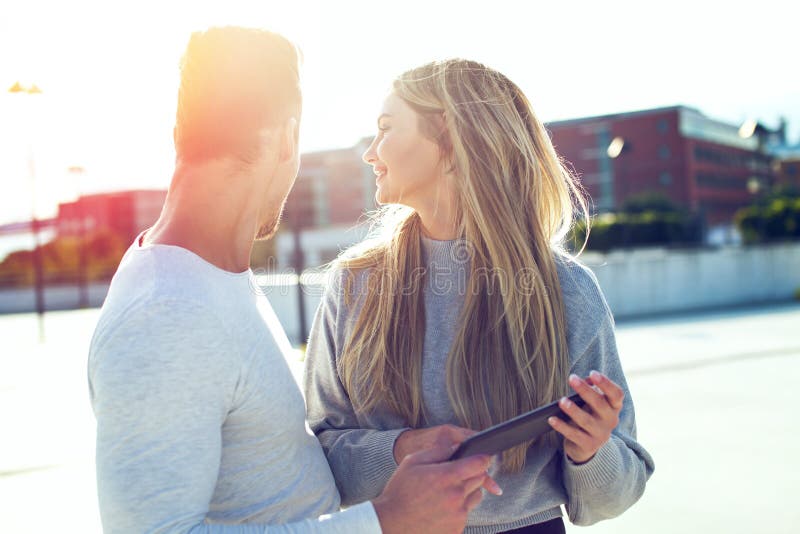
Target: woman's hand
591, 425
412, 441
435, 437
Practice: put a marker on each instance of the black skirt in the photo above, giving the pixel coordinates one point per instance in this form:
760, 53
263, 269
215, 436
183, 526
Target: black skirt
554, 526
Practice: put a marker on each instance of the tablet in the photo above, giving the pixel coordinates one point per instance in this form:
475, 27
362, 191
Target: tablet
525, 427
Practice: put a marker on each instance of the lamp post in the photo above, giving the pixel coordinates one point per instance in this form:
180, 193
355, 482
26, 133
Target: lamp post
761, 183
614, 162
38, 270
298, 263
83, 282
615, 149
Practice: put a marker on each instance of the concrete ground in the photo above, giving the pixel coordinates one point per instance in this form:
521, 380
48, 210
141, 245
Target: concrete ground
715, 396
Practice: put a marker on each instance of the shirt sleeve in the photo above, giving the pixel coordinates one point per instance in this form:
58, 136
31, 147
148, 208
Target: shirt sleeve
362, 460
359, 519
614, 479
160, 392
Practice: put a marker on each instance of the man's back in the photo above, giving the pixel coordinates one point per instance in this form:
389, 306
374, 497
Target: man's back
199, 418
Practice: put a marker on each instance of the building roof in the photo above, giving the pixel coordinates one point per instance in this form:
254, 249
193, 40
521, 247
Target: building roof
786, 152
621, 115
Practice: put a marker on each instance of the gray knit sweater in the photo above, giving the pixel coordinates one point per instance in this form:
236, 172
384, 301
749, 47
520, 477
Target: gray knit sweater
359, 446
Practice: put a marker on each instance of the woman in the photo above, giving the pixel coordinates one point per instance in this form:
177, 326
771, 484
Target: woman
462, 310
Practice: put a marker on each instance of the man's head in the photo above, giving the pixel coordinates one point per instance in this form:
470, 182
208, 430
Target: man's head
240, 100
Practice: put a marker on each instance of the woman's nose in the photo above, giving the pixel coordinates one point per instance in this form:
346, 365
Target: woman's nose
369, 155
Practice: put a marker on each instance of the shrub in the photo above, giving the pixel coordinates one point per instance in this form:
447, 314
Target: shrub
61, 260
621, 230
779, 219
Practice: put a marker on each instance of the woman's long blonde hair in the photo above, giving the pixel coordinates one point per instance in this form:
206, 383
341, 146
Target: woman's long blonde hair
515, 206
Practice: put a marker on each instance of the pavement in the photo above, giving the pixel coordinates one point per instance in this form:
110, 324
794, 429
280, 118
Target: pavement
715, 396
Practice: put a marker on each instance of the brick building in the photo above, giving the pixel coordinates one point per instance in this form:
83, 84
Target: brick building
704, 165
787, 166
124, 212
333, 187
333, 191
709, 167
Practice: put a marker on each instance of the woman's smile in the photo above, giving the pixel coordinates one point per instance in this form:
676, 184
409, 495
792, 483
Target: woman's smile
380, 173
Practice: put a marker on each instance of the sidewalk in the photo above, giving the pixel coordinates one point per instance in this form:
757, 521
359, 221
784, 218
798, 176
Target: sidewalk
715, 398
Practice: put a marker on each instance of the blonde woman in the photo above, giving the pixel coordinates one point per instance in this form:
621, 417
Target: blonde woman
463, 310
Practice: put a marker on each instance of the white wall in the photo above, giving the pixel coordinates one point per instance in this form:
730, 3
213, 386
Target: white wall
643, 282
659, 281
55, 298
317, 243
638, 282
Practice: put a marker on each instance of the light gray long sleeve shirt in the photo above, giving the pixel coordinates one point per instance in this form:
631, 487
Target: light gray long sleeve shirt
360, 446
200, 425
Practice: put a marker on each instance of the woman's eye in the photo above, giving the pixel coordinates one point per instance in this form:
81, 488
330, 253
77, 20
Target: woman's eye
383, 128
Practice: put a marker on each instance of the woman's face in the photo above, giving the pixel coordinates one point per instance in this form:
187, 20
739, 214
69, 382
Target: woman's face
406, 163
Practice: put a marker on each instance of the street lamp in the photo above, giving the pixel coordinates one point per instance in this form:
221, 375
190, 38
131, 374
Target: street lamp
615, 147
38, 270
755, 184
83, 283
754, 129
748, 128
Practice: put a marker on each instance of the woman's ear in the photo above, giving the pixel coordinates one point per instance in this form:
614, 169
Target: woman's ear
445, 144
447, 160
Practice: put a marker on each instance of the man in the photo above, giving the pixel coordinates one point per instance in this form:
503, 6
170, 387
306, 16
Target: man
200, 426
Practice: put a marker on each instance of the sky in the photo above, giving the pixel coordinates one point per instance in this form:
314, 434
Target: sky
109, 71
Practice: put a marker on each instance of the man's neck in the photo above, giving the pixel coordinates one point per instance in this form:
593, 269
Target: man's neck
211, 213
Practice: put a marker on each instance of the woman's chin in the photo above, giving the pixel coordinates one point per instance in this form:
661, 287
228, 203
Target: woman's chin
383, 197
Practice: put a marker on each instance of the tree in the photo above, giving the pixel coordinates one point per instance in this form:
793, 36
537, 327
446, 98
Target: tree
60, 257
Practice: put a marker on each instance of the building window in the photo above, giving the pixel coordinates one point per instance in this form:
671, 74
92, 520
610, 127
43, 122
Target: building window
665, 178
699, 153
662, 126
719, 181
664, 152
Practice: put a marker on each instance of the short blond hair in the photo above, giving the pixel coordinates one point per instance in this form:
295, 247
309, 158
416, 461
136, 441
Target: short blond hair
234, 82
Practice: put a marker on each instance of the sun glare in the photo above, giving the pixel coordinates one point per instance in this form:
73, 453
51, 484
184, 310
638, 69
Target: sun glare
108, 74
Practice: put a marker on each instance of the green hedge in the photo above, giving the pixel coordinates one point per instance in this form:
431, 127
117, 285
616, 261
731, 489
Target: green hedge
103, 250
621, 230
777, 220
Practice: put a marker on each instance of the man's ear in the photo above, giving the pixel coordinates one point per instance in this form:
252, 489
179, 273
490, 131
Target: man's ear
289, 140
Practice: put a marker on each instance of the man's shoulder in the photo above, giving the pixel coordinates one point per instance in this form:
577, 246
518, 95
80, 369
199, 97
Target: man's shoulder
148, 288
159, 340
157, 319
148, 310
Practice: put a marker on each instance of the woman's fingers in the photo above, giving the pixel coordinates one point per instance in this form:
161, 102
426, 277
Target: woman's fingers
614, 394
456, 433
596, 400
580, 417
570, 432
591, 425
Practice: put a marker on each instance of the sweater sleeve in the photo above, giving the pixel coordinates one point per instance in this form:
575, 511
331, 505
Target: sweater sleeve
361, 459
160, 393
614, 479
